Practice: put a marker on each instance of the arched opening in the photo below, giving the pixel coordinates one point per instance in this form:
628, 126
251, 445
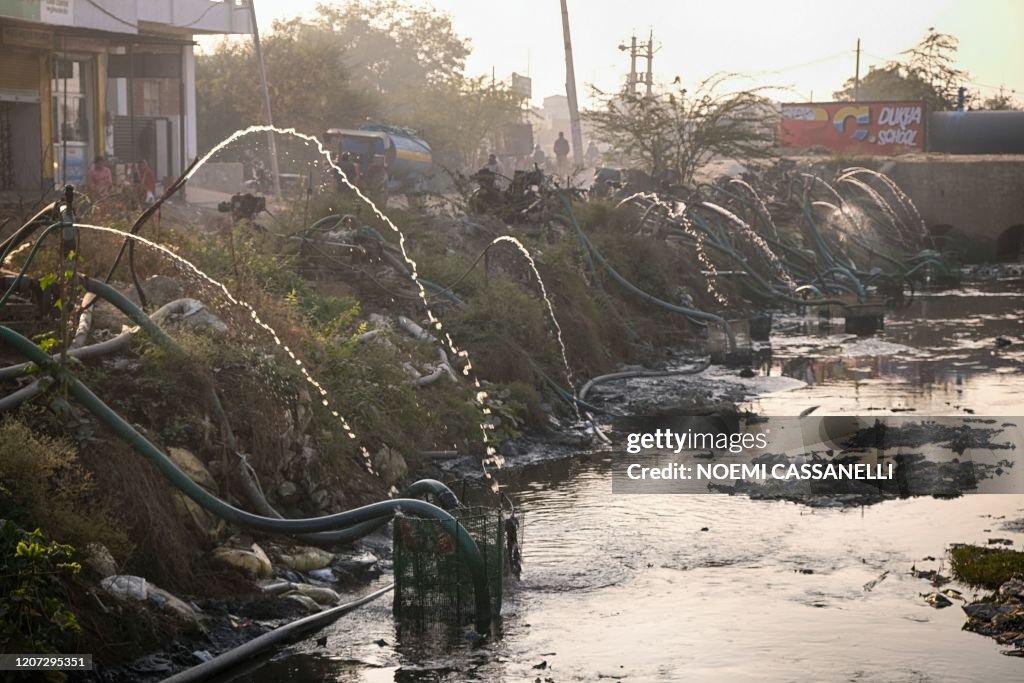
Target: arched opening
1010, 245
943, 236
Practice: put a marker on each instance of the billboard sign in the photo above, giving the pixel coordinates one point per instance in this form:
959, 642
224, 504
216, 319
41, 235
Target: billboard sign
880, 128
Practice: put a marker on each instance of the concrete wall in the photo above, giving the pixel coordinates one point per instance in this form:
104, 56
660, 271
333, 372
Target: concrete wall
979, 196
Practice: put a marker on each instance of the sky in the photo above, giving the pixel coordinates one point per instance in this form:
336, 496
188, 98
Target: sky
806, 47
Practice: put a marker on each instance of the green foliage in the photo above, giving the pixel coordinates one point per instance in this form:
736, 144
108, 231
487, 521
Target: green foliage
670, 135
1001, 101
926, 73
985, 567
352, 62
34, 614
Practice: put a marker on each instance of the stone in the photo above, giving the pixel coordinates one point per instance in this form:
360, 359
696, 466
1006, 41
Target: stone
390, 465
306, 602
984, 611
937, 600
253, 563
193, 467
1014, 588
287, 491
323, 596
303, 559
99, 559
323, 500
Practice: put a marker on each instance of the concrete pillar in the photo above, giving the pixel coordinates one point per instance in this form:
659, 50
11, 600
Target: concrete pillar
188, 74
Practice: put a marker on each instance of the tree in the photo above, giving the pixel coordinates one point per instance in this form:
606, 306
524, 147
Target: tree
392, 45
459, 116
927, 73
385, 60
310, 86
671, 135
1001, 101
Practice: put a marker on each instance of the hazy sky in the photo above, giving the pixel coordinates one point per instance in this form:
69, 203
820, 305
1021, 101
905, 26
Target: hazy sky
808, 46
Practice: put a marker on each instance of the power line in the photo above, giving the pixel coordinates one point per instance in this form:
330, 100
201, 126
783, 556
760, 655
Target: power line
113, 16
228, 3
813, 62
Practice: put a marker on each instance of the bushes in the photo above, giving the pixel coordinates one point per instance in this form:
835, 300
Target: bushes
43, 484
34, 615
986, 567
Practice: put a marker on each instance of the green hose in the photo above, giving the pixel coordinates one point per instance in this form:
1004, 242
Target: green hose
228, 512
689, 312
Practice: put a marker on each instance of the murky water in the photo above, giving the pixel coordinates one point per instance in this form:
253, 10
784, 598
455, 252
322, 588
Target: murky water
719, 588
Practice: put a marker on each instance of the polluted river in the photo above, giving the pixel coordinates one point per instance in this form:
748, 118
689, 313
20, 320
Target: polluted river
289, 457
726, 588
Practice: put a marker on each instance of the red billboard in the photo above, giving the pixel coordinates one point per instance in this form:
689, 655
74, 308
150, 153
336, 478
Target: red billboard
880, 128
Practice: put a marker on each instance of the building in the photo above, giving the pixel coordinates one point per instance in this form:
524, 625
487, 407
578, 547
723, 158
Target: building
84, 78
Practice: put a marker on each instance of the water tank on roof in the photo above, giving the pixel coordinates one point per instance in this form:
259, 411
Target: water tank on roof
976, 132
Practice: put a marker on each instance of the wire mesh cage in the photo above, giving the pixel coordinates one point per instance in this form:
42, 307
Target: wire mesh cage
433, 582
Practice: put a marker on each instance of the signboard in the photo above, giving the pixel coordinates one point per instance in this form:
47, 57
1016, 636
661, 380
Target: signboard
28, 37
879, 128
46, 11
522, 85
56, 12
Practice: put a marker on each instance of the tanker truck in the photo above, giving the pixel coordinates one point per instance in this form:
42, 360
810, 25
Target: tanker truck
406, 157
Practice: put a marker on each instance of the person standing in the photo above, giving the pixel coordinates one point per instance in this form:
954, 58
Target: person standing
147, 180
561, 150
540, 159
99, 181
592, 156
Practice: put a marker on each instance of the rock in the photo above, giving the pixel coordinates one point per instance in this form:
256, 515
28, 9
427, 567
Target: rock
99, 559
356, 561
984, 611
1014, 588
193, 467
202, 655
253, 563
306, 602
323, 596
287, 491
126, 587
303, 559
937, 600
390, 465
323, 499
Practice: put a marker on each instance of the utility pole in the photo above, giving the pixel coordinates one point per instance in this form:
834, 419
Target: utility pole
632, 65
634, 53
650, 62
266, 99
856, 75
570, 91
